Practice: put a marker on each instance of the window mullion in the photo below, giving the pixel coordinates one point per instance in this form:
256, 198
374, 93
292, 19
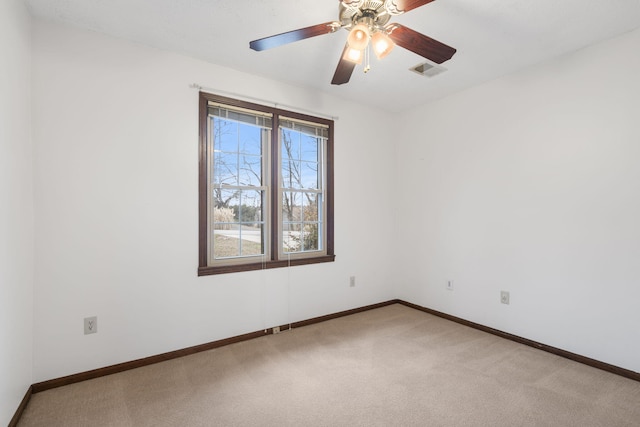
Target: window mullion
275, 197
210, 202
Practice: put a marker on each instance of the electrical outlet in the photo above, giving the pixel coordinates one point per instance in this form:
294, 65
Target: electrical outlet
90, 325
504, 297
352, 281
276, 329
450, 285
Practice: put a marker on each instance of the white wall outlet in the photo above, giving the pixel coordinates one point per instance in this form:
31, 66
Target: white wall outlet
450, 285
90, 325
352, 281
276, 329
504, 297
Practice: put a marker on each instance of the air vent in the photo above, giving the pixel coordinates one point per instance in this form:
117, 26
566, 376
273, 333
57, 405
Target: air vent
428, 69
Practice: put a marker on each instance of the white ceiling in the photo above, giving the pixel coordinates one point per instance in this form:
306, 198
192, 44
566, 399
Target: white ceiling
493, 38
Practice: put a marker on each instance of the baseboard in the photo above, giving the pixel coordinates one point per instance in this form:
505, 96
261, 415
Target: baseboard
21, 408
121, 367
337, 315
557, 351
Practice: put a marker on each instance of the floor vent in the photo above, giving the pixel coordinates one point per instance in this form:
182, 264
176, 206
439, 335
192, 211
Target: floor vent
428, 69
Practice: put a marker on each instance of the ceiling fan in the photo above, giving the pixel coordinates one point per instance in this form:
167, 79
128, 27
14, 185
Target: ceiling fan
367, 21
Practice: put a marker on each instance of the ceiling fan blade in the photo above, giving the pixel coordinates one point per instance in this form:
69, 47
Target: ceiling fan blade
407, 5
418, 43
294, 36
344, 69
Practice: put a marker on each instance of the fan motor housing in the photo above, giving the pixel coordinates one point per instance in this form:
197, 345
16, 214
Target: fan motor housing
372, 13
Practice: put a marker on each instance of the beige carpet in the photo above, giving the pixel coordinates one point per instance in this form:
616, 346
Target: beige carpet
392, 366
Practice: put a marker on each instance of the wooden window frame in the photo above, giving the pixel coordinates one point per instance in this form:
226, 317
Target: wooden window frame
274, 260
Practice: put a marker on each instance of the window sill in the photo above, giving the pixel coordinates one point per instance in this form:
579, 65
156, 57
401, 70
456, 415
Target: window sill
223, 269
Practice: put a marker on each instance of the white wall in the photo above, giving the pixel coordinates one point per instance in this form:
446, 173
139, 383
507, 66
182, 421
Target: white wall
16, 208
531, 184
527, 184
116, 142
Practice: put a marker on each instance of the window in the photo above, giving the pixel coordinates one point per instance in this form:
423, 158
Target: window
266, 187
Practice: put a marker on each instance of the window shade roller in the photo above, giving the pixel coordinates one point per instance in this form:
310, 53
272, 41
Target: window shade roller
313, 129
241, 115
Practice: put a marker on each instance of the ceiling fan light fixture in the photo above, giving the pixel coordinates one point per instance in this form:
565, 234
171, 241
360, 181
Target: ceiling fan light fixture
359, 37
382, 44
353, 55
364, 19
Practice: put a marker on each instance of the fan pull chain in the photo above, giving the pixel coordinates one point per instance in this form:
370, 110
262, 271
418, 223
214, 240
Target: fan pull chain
367, 64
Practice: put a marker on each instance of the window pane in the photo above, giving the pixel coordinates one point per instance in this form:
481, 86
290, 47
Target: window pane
250, 213
250, 170
309, 175
302, 216
290, 144
238, 225
226, 243
309, 148
310, 239
291, 238
251, 240
291, 206
311, 207
225, 168
291, 174
250, 139
225, 135
225, 207
250, 210
311, 217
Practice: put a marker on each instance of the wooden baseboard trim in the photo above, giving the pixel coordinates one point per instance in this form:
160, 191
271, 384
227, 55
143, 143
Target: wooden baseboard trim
21, 408
125, 366
121, 367
138, 363
554, 350
337, 315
